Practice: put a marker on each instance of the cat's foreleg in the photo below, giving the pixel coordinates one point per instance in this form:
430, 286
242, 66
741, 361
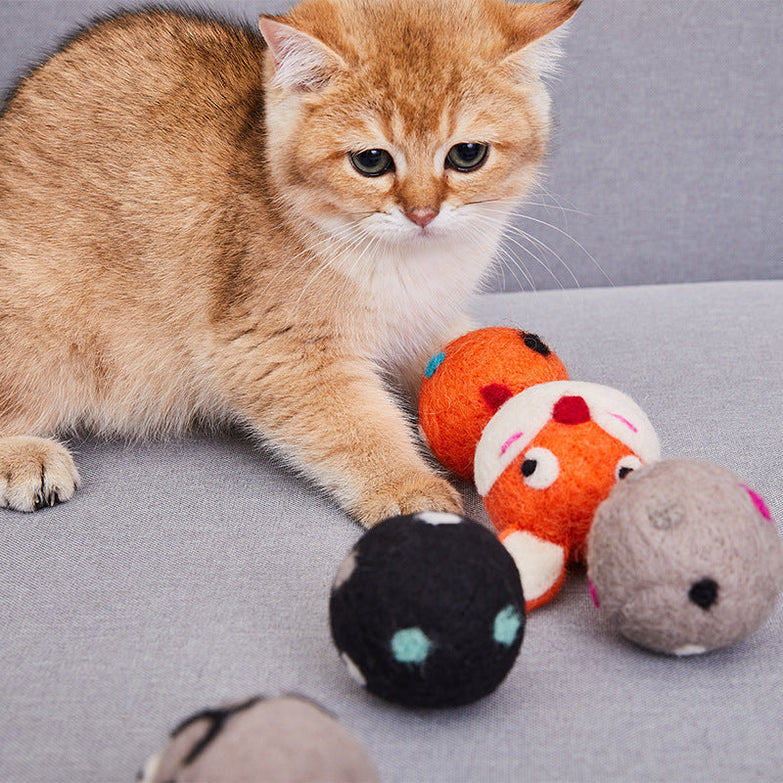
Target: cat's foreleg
35, 472
413, 369
331, 418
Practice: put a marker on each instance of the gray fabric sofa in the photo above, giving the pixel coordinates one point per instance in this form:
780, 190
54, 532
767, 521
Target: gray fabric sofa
193, 572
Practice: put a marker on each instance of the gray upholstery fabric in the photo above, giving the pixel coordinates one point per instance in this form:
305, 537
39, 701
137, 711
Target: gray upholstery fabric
195, 572
667, 164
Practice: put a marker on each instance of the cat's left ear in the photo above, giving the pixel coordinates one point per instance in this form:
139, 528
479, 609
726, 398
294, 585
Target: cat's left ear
536, 39
302, 62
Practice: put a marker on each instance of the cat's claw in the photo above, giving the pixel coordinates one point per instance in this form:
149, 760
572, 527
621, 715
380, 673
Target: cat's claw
35, 473
408, 496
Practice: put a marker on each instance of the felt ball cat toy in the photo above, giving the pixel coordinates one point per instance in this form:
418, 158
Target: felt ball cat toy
684, 558
469, 380
283, 740
427, 610
544, 463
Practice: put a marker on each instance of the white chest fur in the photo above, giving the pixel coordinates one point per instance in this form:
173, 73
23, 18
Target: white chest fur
416, 293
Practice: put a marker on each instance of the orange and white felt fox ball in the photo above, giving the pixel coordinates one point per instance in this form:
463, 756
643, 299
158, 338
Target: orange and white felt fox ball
466, 383
545, 462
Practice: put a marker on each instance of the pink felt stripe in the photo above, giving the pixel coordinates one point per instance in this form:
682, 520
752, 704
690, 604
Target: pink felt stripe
594, 594
758, 502
504, 448
624, 421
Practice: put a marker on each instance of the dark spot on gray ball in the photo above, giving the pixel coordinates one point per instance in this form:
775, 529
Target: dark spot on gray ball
704, 593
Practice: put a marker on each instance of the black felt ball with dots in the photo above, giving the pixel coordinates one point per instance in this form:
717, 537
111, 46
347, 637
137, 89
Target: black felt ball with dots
427, 610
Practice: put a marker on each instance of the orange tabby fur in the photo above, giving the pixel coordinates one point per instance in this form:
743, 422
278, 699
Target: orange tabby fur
183, 236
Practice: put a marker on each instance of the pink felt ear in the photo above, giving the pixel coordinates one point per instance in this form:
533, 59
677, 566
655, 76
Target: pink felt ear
495, 394
759, 503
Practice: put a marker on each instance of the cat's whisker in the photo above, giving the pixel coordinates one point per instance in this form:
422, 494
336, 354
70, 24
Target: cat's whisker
547, 249
509, 237
519, 214
571, 238
540, 261
544, 191
372, 242
290, 265
509, 262
500, 207
348, 248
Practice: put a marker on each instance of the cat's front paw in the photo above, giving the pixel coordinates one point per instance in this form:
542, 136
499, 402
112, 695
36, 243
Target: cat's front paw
407, 495
35, 472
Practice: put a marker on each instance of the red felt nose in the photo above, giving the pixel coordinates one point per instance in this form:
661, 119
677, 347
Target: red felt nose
571, 410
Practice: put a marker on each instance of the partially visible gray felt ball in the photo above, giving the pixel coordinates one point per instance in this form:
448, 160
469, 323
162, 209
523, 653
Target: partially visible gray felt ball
684, 558
284, 740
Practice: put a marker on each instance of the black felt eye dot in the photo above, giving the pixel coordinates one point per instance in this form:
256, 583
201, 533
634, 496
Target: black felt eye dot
704, 593
529, 467
372, 163
627, 465
535, 343
539, 468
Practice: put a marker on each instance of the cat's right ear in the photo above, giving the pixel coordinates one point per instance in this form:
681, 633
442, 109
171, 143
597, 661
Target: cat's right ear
302, 63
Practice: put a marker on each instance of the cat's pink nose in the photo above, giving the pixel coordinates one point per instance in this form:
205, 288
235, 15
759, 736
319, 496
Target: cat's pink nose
422, 216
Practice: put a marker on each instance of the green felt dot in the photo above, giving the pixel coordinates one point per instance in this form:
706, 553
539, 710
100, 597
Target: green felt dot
410, 645
507, 624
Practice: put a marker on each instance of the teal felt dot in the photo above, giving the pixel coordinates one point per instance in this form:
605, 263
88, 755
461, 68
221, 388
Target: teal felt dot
433, 364
410, 645
507, 625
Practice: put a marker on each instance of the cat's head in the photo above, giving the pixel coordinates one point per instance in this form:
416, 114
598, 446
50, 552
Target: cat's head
409, 120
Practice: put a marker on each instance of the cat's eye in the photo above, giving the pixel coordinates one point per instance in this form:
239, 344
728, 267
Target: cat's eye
372, 163
467, 156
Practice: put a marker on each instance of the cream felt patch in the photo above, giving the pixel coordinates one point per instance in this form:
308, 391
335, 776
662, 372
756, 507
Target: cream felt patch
344, 573
540, 563
439, 518
353, 670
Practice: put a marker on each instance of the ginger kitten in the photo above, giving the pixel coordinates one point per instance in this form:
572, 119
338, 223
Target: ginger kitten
199, 222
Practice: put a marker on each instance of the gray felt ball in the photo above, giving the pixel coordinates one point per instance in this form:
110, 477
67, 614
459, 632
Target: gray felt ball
684, 558
284, 740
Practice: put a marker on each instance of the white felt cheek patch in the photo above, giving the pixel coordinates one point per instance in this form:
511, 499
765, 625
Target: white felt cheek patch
540, 563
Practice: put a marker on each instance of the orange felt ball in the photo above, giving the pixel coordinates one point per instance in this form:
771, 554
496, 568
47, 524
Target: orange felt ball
467, 382
544, 464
